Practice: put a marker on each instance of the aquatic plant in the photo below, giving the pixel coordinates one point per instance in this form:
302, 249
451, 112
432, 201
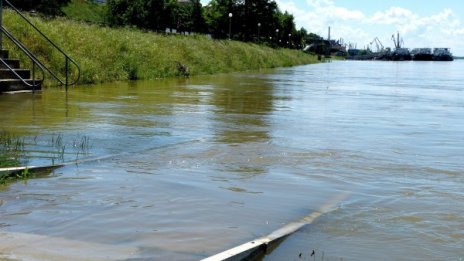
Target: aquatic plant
17, 152
6, 178
11, 150
314, 256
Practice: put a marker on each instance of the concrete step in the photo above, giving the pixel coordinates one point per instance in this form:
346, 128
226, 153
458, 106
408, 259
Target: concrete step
13, 63
12, 85
7, 74
4, 54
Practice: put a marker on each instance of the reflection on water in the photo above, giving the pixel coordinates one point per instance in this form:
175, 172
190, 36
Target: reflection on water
200, 165
241, 109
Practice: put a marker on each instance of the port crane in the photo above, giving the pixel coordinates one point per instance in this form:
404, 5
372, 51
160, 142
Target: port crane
378, 44
397, 41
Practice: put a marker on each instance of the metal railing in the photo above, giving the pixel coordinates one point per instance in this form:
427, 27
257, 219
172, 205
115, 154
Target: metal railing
67, 59
35, 62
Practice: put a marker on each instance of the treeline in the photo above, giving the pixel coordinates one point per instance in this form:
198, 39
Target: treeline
47, 7
259, 21
244, 20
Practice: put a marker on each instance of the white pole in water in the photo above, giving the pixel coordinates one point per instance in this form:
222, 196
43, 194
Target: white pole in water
261, 246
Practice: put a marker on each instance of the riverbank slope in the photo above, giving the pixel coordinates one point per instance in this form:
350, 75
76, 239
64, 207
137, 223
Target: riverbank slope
114, 54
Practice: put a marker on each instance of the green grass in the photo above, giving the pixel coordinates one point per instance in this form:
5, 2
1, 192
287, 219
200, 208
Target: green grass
84, 10
115, 54
11, 150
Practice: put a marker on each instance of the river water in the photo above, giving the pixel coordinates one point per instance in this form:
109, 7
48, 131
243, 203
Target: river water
201, 165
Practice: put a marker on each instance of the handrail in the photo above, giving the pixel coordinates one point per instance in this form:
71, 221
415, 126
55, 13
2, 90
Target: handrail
67, 58
34, 61
23, 48
33, 85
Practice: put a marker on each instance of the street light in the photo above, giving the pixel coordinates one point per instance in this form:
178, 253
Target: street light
289, 40
259, 26
230, 23
277, 35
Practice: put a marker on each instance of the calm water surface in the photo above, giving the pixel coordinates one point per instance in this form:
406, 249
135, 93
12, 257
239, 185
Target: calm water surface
205, 164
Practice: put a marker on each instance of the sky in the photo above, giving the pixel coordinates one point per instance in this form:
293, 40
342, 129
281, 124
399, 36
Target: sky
421, 23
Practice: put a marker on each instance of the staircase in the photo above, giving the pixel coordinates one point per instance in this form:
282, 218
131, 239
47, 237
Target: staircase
13, 78
10, 82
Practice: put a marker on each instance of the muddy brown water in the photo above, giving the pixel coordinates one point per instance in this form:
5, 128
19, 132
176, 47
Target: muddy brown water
204, 164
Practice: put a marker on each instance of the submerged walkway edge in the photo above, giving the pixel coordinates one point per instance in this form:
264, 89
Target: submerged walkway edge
12, 170
259, 247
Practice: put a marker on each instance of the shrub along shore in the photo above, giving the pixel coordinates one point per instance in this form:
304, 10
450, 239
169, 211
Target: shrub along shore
116, 54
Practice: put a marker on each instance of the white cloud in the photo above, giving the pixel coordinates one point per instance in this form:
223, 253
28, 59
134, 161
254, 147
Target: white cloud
441, 29
328, 8
394, 15
460, 32
345, 14
320, 3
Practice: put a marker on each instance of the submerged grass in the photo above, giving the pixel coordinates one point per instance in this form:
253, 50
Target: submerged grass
16, 151
49, 150
11, 150
113, 54
14, 176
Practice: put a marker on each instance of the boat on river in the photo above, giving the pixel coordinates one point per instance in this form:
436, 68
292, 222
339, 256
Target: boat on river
442, 54
422, 54
401, 54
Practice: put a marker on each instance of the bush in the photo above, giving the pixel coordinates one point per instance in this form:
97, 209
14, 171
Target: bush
47, 7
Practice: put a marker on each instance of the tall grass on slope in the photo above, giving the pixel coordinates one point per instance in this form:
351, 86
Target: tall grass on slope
85, 10
114, 54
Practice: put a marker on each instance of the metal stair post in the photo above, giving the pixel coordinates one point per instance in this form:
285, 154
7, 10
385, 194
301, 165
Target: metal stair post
1, 24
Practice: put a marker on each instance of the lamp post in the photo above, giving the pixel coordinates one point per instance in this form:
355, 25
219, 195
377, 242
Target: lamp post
277, 36
230, 24
289, 40
259, 26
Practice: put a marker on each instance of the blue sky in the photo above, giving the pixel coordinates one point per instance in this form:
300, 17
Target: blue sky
420, 23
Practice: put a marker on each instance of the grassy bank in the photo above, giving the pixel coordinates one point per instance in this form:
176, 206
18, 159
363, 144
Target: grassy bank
84, 10
113, 54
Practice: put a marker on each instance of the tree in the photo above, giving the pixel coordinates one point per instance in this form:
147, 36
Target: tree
287, 28
217, 16
191, 16
148, 14
157, 14
198, 20
316, 43
246, 16
262, 12
47, 7
298, 38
